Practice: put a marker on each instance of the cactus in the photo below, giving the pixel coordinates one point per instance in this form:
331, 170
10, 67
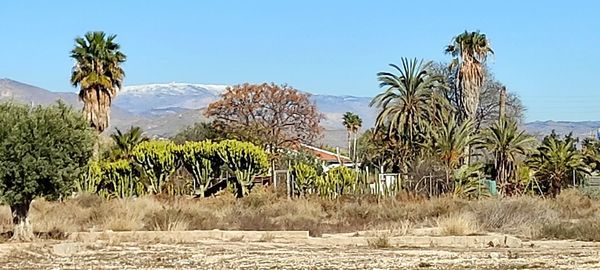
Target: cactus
120, 177
90, 180
203, 163
157, 160
305, 177
244, 160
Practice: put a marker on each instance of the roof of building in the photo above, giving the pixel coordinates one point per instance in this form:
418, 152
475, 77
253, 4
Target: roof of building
325, 155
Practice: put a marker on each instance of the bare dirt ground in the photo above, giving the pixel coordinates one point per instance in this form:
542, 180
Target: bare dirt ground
232, 254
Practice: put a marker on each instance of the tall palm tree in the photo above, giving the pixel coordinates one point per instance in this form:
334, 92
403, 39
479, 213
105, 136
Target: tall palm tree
470, 51
508, 144
404, 103
448, 142
353, 123
125, 142
98, 73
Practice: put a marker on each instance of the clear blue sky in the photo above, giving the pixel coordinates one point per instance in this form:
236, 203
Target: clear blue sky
546, 51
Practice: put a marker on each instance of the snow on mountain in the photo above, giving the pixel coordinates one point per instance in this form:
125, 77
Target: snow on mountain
150, 98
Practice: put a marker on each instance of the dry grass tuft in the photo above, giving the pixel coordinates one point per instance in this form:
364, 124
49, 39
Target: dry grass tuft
266, 237
462, 224
382, 240
5, 219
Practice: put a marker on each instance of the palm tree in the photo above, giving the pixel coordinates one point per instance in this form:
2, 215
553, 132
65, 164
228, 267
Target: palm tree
404, 103
99, 75
353, 123
507, 143
448, 142
555, 161
470, 51
125, 142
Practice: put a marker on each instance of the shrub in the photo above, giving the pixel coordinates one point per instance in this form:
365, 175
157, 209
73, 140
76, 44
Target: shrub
461, 224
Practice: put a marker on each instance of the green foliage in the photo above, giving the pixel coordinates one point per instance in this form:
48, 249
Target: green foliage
157, 161
198, 132
555, 161
244, 160
120, 179
468, 182
507, 144
43, 150
337, 182
125, 142
202, 161
90, 180
305, 177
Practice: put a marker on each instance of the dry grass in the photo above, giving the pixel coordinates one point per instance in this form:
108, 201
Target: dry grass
570, 215
461, 224
382, 240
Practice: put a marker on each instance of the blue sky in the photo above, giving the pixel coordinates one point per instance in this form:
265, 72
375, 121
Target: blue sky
546, 51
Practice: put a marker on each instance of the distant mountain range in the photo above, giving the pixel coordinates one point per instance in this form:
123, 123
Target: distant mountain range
164, 109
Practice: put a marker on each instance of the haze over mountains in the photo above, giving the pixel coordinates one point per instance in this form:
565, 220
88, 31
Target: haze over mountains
164, 109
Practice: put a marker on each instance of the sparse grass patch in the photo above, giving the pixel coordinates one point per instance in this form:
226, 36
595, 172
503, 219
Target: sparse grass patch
381, 240
462, 224
266, 237
584, 230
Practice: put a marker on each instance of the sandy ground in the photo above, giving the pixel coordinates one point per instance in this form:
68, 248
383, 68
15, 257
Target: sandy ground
231, 254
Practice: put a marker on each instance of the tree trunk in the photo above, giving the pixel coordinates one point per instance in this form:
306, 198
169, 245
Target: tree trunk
23, 231
354, 150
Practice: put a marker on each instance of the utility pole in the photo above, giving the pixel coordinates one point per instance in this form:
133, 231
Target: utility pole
502, 109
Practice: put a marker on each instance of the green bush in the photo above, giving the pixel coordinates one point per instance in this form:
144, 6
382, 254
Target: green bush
157, 161
245, 161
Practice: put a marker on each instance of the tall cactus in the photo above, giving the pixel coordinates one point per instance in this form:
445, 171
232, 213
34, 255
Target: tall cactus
343, 178
244, 160
305, 177
120, 177
158, 161
202, 161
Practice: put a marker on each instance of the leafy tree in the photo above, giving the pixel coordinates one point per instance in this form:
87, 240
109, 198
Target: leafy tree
268, 115
353, 123
125, 142
99, 74
384, 151
555, 161
507, 144
201, 159
470, 51
157, 160
42, 152
200, 131
245, 161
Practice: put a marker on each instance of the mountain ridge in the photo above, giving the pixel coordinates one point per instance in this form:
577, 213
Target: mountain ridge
162, 109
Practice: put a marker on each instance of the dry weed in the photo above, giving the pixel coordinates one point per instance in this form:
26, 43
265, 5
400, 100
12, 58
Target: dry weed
382, 240
461, 224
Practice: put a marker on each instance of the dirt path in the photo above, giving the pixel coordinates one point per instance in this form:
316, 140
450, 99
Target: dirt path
213, 254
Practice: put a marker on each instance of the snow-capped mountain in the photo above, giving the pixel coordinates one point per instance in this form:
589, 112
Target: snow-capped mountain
160, 98
172, 98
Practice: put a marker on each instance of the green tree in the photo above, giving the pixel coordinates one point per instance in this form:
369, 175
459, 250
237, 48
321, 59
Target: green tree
125, 142
157, 160
245, 161
353, 123
99, 74
447, 143
507, 144
470, 51
42, 152
200, 131
555, 161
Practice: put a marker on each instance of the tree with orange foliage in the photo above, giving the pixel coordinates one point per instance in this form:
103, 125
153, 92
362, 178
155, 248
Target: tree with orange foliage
274, 116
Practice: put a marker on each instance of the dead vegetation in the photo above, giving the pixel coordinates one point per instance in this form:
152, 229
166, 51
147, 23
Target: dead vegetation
572, 215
